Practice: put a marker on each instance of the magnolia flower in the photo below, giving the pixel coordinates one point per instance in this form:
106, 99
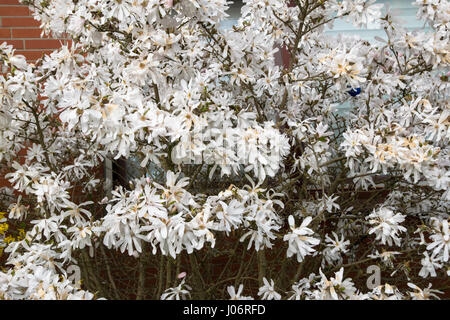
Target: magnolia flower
237, 295
231, 215
302, 288
17, 210
429, 266
267, 291
348, 66
299, 241
335, 247
386, 292
336, 288
423, 294
441, 239
22, 177
386, 226
174, 191
18, 61
329, 203
179, 292
387, 257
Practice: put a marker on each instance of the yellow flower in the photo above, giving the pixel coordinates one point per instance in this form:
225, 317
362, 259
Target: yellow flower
9, 239
3, 228
21, 232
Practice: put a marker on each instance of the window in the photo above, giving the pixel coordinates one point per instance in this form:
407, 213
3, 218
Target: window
235, 13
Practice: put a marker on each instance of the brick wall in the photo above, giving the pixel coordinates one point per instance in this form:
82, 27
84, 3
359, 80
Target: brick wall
18, 28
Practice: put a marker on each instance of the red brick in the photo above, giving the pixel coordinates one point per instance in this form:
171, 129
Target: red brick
5, 33
33, 55
26, 33
42, 44
15, 11
4, 182
20, 22
17, 44
10, 2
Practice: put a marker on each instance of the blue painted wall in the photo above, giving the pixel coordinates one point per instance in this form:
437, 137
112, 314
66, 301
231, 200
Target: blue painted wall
403, 9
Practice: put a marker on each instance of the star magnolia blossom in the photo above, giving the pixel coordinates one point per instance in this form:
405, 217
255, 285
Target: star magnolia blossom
386, 225
299, 242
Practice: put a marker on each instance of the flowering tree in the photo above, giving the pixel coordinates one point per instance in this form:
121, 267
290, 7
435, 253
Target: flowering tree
261, 173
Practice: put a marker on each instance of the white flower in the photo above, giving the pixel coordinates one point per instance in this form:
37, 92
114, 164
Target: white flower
336, 288
230, 216
353, 143
385, 292
386, 256
201, 226
22, 177
174, 191
429, 264
423, 294
18, 61
387, 225
302, 288
441, 239
335, 248
17, 210
329, 204
348, 66
237, 295
267, 291
179, 292
299, 241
